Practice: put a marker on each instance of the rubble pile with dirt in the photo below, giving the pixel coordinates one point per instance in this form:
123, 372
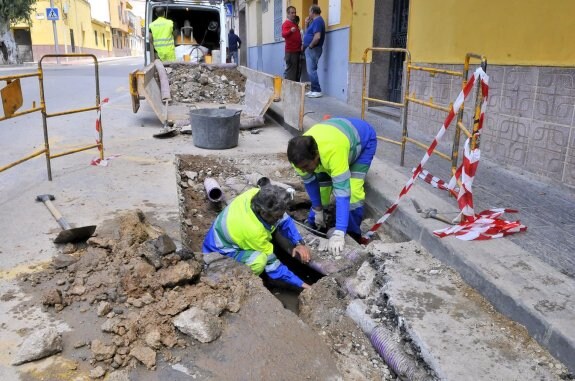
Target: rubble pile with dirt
145, 297
206, 84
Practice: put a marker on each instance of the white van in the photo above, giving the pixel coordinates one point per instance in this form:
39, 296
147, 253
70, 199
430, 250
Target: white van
206, 17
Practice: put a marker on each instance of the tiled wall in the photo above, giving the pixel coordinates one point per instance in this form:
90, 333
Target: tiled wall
529, 121
355, 84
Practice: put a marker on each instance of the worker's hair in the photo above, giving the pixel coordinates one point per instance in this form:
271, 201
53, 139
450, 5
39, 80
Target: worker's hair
301, 149
231, 30
290, 7
315, 9
271, 200
160, 11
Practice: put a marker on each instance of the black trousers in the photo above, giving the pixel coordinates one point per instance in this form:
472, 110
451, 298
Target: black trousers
293, 69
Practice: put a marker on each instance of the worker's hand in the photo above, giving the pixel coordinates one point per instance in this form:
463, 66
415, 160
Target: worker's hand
293, 29
305, 285
336, 242
301, 251
318, 218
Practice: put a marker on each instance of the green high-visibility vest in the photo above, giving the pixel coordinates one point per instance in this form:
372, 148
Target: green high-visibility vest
162, 32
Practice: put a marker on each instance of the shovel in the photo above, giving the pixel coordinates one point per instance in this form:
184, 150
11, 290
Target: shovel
68, 234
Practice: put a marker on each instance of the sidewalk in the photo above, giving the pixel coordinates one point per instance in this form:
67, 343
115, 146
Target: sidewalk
529, 276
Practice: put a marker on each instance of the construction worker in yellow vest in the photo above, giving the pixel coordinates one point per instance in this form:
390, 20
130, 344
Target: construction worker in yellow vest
243, 231
162, 36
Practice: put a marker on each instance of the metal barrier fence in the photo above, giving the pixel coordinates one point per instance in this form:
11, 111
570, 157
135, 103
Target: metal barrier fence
407, 98
12, 100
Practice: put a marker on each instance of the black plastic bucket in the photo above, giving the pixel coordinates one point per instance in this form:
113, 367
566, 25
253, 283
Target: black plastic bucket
215, 128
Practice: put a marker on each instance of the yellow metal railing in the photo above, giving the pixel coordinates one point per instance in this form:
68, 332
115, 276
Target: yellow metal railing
408, 98
12, 101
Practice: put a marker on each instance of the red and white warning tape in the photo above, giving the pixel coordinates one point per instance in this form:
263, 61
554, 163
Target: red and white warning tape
436, 182
97, 161
485, 225
479, 73
99, 121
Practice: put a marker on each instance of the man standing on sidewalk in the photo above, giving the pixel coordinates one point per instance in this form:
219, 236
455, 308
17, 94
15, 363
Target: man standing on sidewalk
292, 36
313, 44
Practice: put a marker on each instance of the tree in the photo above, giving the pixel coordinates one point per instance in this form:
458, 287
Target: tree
12, 11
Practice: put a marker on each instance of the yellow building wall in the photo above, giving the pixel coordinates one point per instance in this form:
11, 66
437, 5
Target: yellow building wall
104, 36
251, 19
41, 30
78, 18
511, 32
268, 24
359, 18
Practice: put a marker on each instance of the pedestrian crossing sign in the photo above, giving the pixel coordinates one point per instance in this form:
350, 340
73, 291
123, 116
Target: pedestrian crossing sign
52, 14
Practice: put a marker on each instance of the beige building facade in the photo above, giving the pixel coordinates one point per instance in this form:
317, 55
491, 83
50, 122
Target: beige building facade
104, 28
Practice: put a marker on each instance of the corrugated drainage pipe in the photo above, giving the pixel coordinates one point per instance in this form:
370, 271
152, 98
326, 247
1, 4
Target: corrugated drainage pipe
213, 190
385, 344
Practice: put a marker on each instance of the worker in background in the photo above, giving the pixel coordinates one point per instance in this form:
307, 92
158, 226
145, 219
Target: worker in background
234, 43
335, 155
243, 231
186, 36
162, 36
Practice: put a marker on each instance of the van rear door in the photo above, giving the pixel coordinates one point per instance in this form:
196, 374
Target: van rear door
179, 8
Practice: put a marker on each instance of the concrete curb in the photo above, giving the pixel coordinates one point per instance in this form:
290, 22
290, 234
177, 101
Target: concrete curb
518, 285
515, 282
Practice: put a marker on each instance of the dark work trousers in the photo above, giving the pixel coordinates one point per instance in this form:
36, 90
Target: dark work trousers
293, 70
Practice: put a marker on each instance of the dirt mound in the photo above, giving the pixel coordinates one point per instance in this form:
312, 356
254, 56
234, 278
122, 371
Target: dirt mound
205, 84
130, 283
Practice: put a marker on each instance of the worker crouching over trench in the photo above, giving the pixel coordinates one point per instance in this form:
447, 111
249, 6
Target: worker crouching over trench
243, 231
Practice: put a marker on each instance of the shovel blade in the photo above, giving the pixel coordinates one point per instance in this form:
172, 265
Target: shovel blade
75, 234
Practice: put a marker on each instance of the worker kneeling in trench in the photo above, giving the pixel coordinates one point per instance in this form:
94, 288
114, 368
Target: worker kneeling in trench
243, 231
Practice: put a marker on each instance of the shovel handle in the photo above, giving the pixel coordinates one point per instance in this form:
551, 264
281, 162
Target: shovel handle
57, 215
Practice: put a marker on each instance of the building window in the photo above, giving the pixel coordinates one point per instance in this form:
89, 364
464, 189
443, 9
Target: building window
265, 5
96, 37
278, 20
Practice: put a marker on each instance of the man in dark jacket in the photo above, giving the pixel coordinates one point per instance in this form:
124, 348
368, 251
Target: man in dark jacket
234, 43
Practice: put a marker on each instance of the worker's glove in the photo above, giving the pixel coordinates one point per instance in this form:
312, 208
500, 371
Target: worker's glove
318, 218
336, 242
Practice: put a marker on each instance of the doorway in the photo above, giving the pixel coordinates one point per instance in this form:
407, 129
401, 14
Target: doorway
398, 40
386, 69
72, 43
244, 37
23, 41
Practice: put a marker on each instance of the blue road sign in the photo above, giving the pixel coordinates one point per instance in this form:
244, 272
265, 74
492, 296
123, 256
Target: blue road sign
52, 14
229, 9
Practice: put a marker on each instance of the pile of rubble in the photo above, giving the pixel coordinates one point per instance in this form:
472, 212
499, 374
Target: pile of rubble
147, 296
205, 84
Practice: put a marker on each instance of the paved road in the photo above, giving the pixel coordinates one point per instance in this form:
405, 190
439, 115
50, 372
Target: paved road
66, 87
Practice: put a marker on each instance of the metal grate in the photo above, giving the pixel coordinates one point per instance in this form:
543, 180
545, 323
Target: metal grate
398, 40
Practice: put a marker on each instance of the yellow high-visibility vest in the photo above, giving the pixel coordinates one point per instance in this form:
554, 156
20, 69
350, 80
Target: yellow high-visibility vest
162, 32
